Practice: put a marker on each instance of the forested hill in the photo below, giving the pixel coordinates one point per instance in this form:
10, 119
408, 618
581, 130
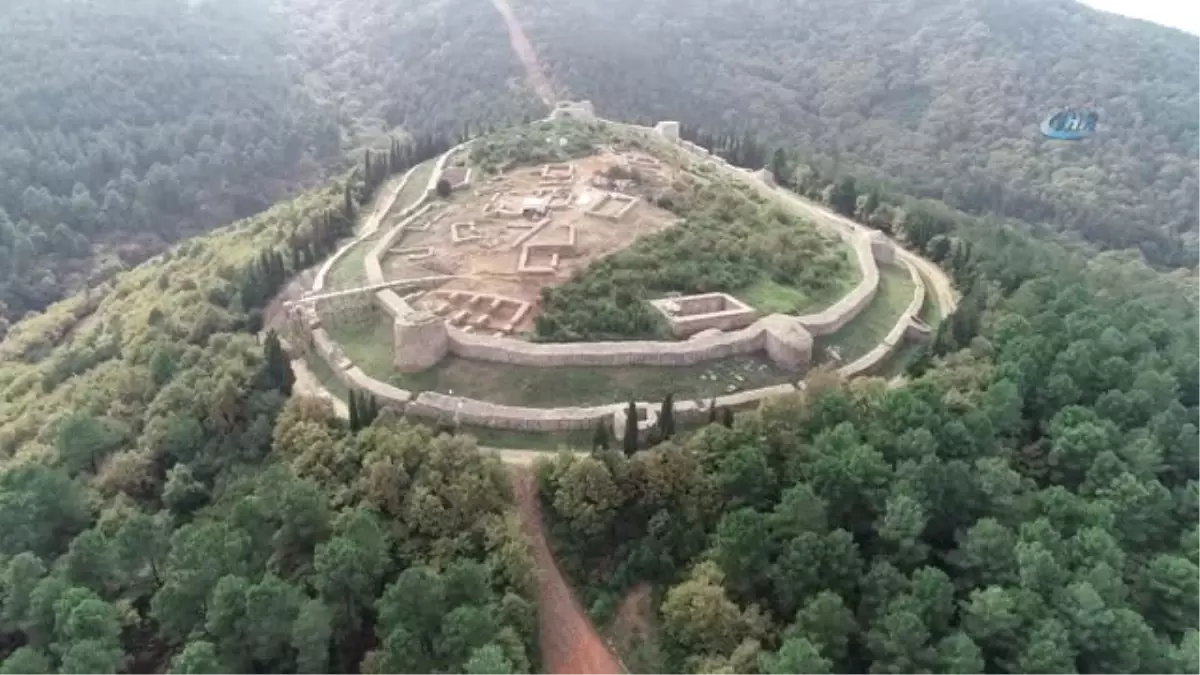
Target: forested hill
123, 124
129, 124
941, 97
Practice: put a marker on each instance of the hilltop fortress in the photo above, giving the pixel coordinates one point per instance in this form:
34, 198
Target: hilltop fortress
539, 235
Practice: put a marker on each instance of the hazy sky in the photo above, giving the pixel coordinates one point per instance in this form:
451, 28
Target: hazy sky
1182, 14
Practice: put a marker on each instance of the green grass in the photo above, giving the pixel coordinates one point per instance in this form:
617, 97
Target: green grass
869, 328
349, 271
566, 386
931, 312
415, 187
325, 375
547, 441
771, 297
369, 344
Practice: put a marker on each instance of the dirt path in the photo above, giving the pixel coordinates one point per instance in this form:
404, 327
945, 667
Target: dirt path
525, 52
569, 642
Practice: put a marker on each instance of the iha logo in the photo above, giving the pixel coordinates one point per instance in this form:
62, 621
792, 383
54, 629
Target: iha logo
1070, 124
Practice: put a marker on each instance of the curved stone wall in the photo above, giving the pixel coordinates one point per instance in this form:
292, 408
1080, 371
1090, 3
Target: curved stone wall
831, 319
786, 339
896, 335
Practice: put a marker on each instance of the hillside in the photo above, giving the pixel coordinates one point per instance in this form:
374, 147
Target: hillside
166, 507
128, 125
940, 97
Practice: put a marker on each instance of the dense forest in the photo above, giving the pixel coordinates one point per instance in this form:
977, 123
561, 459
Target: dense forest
437, 66
166, 506
126, 125
941, 97
1027, 502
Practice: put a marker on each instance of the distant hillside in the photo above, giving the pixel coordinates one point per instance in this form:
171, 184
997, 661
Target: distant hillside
941, 97
128, 124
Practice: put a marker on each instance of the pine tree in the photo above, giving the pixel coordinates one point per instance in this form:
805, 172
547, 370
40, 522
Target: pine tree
666, 417
727, 418
600, 437
354, 421
631, 429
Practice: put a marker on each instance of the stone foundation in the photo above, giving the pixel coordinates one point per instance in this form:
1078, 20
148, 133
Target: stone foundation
423, 339
576, 110
612, 206
691, 314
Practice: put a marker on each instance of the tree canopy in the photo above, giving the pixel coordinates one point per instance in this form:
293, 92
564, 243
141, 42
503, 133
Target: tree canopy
942, 98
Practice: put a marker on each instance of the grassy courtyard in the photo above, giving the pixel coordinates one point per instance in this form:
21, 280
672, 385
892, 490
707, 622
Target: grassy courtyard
869, 328
369, 345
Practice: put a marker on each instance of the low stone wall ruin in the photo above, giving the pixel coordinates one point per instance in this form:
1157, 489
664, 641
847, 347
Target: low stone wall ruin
897, 335
831, 319
691, 314
787, 340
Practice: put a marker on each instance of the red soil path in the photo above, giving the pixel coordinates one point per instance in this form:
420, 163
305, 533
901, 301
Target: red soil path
525, 52
569, 642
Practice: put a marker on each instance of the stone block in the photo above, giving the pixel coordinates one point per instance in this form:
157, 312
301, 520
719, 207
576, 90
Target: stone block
788, 344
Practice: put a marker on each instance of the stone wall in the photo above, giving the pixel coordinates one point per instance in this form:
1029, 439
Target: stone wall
420, 341
897, 335
792, 348
787, 340
373, 262
691, 314
831, 319
578, 110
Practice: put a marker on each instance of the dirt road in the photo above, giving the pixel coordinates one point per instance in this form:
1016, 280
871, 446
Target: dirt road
569, 642
525, 52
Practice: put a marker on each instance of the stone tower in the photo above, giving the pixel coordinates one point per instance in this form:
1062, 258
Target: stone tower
420, 341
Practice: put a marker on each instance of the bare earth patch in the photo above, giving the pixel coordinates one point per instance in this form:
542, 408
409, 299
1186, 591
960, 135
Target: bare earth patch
479, 234
568, 640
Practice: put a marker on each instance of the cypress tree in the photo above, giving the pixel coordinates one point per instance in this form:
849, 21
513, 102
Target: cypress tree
276, 369
354, 423
727, 417
369, 410
712, 411
600, 437
348, 205
631, 429
666, 417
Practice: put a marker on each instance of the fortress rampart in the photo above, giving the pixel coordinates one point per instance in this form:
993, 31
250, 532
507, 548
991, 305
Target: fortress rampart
422, 339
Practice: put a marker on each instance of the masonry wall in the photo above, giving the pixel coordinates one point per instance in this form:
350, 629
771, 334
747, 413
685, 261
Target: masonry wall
831, 319
896, 336
433, 405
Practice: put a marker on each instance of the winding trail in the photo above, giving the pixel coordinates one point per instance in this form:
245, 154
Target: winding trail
524, 50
